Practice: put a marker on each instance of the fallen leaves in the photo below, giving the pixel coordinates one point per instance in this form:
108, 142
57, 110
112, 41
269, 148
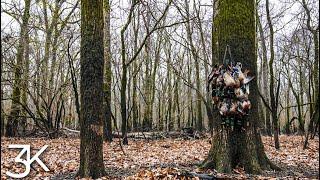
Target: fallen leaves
292, 153
159, 159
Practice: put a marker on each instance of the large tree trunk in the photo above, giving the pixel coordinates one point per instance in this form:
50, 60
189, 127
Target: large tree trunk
12, 124
235, 24
91, 89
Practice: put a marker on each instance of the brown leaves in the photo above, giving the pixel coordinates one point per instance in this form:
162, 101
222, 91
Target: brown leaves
159, 159
160, 173
291, 151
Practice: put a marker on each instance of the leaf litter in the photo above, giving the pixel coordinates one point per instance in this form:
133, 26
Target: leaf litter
159, 159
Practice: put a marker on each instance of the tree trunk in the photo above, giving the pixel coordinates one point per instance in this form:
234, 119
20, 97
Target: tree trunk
91, 90
235, 24
315, 38
190, 99
310, 97
287, 127
2, 104
315, 115
265, 75
13, 118
273, 97
135, 117
169, 120
176, 102
199, 121
25, 85
123, 88
123, 102
301, 100
147, 116
108, 73
48, 42
208, 104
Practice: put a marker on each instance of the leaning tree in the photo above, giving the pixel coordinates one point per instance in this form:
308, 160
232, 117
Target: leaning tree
235, 25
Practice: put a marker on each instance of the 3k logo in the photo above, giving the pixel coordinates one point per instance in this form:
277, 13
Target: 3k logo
27, 163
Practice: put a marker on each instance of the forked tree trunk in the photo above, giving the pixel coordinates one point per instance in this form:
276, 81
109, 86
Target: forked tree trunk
235, 26
91, 89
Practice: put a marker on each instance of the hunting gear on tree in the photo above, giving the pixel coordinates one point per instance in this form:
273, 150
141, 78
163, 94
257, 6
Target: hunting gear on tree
230, 91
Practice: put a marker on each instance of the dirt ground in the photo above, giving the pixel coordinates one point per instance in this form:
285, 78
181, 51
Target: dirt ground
159, 159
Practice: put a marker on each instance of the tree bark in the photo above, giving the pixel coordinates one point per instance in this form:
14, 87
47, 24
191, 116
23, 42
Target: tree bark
235, 25
2, 104
147, 116
107, 129
273, 102
315, 115
25, 84
91, 90
135, 113
13, 118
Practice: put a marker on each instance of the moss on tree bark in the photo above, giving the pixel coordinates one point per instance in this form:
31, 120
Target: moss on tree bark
235, 26
108, 73
15, 112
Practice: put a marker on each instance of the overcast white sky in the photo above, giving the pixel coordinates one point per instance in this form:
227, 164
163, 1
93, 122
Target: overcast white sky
118, 14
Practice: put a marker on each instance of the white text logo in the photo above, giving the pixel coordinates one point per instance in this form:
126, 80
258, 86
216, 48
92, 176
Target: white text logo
27, 163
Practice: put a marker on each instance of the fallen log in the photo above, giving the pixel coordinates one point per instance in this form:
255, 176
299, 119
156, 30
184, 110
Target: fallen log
71, 130
186, 133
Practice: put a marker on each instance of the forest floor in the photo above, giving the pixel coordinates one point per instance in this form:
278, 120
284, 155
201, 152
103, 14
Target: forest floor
159, 159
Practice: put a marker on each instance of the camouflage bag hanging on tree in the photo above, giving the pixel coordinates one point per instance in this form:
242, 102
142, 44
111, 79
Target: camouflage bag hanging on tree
230, 91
